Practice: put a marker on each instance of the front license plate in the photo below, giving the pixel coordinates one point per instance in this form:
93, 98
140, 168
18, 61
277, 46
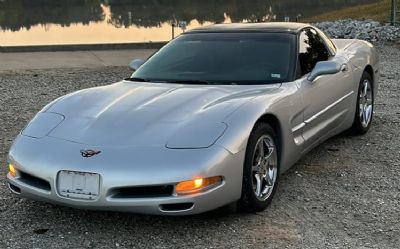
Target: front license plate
78, 185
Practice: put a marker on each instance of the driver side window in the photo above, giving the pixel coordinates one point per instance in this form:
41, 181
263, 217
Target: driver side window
312, 49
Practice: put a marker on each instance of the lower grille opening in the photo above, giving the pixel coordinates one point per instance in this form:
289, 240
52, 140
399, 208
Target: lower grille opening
14, 188
34, 181
176, 207
144, 191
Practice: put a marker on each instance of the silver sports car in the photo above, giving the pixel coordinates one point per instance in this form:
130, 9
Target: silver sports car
212, 119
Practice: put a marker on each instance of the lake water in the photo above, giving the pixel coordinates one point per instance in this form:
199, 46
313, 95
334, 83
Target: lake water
43, 22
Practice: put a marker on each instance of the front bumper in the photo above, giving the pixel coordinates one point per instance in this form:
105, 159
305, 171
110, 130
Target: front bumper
127, 167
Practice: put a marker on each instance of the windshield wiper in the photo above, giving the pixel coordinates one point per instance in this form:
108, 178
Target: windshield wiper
199, 82
137, 79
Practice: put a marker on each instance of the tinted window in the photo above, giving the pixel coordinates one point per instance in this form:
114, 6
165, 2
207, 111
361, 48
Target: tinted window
247, 58
311, 50
328, 41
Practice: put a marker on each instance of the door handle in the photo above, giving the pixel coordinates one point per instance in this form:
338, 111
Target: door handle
344, 68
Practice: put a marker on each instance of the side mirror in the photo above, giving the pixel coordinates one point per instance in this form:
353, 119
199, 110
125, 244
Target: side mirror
323, 68
135, 64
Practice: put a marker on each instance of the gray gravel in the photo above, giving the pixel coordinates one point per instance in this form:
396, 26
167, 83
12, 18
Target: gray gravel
360, 29
343, 194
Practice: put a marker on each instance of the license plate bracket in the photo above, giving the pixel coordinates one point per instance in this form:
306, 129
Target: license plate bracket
78, 185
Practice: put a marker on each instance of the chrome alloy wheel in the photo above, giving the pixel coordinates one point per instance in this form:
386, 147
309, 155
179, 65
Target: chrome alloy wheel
365, 103
264, 167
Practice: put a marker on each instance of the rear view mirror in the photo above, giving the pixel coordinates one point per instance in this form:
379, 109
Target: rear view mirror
323, 68
135, 64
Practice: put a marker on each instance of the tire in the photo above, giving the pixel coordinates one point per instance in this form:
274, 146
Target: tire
257, 197
364, 107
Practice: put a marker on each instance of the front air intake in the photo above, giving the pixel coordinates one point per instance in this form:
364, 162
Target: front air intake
14, 189
176, 207
34, 181
143, 192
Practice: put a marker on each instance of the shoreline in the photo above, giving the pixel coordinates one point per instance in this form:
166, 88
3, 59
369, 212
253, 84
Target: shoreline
71, 59
120, 54
81, 47
367, 29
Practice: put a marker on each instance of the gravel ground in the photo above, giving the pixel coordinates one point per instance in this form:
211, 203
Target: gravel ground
343, 194
369, 30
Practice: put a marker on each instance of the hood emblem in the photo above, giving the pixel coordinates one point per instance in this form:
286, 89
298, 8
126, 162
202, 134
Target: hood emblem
89, 153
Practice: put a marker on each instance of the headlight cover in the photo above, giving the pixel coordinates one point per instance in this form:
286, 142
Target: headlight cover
197, 136
42, 124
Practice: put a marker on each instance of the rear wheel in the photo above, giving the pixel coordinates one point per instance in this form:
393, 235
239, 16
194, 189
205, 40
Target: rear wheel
261, 169
365, 106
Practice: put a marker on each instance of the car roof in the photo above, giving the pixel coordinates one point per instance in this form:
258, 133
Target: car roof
275, 27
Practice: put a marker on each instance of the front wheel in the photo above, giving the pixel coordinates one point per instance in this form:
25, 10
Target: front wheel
261, 169
365, 106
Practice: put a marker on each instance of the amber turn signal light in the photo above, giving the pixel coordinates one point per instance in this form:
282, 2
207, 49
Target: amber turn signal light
12, 170
197, 185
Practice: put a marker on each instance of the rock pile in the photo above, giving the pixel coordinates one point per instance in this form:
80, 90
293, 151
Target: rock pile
365, 30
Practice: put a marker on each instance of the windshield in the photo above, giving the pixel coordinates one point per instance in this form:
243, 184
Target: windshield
223, 58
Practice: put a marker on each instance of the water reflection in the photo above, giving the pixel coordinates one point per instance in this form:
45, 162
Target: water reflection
154, 13
51, 21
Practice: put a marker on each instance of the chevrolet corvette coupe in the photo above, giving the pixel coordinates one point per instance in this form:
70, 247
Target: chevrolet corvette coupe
210, 120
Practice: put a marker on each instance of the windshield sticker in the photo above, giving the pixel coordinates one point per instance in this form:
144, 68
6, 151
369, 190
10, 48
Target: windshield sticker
275, 75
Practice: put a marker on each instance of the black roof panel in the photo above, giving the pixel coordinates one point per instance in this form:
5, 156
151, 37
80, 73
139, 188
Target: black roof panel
289, 27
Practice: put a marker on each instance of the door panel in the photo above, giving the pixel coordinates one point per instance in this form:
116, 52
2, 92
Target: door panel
326, 103
325, 98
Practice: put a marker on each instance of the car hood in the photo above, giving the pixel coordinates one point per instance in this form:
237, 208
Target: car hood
149, 114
